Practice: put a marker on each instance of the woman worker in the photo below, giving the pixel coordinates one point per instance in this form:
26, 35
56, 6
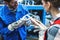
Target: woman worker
52, 33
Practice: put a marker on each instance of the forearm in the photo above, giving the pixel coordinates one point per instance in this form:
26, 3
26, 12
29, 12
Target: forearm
38, 23
15, 25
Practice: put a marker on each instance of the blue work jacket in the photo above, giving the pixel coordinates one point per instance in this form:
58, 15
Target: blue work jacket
9, 17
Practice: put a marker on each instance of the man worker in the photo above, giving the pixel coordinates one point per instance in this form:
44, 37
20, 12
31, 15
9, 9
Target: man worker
11, 16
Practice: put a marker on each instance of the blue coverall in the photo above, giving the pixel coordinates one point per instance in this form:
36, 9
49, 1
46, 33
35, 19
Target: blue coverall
9, 17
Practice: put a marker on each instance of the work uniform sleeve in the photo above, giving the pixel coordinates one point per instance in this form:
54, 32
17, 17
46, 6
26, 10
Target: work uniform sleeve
52, 32
3, 28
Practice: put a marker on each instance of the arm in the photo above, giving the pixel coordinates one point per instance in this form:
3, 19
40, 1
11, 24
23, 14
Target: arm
53, 32
16, 24
7, 29
38, 23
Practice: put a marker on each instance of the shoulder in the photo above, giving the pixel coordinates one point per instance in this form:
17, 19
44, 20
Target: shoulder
22, 7
53, 30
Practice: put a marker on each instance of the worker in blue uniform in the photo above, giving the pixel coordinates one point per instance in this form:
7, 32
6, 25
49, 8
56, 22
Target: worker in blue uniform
11, 14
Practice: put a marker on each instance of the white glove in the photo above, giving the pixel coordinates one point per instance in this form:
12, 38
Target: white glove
18, 23
27, 17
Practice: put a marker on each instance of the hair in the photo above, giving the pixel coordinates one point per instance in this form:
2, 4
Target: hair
7, 0
55, 3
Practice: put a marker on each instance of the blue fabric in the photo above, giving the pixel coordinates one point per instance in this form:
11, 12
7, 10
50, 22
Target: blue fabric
9, 17
52, 33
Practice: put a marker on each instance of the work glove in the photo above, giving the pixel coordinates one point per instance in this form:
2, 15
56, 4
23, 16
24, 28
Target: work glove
18, 23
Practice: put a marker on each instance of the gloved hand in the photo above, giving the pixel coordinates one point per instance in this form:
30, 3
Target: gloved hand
18, 23
28, 22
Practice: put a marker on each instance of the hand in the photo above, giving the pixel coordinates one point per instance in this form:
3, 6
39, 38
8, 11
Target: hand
38, 23
18, 23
